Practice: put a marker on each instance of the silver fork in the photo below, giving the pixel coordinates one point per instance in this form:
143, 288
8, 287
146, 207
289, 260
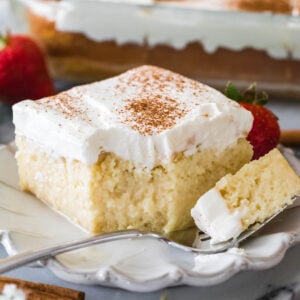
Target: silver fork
205, 247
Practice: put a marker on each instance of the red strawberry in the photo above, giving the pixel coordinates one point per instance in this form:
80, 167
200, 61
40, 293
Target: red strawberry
23, 71
265, 132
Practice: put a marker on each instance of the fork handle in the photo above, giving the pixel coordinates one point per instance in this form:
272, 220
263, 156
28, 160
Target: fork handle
18, 260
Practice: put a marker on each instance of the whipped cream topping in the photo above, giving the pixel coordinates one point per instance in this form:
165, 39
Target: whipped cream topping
212, 216
145, 115
176, 24
11, 292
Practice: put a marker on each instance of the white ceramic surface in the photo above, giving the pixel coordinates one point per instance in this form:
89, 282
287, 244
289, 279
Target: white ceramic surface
137, 265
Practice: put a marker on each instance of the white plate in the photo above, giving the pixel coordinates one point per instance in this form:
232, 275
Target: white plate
136, 265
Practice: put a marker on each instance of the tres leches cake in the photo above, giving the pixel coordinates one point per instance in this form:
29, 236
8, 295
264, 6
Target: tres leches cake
133, 151
256, 192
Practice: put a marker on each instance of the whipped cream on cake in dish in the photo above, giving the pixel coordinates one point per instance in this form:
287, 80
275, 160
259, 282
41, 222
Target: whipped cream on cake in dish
165, 22
133, 151
199, 39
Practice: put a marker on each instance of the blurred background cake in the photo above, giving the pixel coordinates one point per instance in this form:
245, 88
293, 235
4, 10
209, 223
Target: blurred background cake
211, 41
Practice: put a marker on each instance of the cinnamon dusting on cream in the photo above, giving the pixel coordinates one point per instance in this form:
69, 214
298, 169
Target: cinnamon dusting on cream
68, 105
152, 114
150, 102
154, 110
150, 99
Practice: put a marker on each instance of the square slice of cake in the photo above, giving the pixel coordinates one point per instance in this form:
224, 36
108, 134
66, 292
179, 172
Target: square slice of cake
256, 192
133, 151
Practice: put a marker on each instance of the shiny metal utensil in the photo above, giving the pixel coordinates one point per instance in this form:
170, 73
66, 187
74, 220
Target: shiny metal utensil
203, 240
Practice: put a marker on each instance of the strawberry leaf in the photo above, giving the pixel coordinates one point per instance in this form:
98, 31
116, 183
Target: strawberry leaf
250, 95
232, 92
2, 42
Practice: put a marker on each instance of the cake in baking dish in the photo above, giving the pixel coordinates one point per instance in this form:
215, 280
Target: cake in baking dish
256, 192
197, 38
133, 151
